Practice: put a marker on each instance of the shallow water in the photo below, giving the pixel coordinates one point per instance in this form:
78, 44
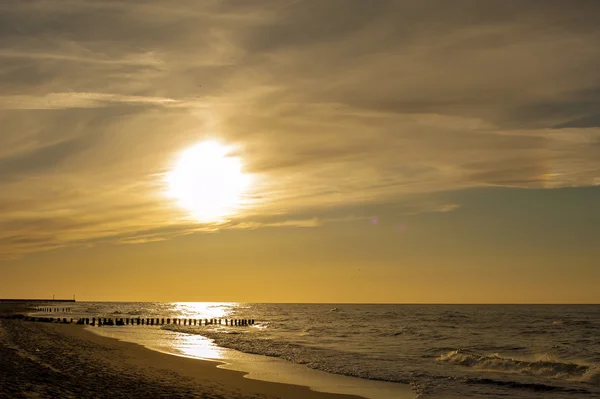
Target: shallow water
517, 351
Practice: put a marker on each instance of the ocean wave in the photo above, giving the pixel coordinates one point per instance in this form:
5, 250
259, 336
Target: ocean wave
592, 376
580, 323
538, 368
323, 359
453, 315
136, 312
404, 343
534, 386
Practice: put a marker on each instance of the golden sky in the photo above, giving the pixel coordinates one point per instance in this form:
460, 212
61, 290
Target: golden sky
394, 151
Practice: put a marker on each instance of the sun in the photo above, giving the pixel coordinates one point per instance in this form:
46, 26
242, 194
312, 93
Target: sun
208, 181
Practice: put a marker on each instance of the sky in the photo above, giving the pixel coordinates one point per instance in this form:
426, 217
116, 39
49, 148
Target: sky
398, 151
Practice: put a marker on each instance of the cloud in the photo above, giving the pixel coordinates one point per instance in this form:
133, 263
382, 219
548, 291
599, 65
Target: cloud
77, 100
313, 222
385, 102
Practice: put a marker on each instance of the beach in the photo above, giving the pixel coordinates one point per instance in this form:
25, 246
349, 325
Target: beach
47, 360
303, 351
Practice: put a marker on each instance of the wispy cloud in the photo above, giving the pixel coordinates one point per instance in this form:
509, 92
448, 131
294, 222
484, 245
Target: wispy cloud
386, 101
77, 100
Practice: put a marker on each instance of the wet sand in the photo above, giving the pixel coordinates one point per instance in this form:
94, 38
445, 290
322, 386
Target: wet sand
45, 360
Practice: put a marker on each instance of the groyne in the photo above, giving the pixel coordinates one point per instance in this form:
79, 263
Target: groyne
137, 321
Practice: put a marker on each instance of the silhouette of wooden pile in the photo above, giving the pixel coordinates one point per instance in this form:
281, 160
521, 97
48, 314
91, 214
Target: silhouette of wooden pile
143, 321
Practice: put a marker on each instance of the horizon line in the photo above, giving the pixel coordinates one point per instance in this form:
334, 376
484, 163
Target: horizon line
326, 303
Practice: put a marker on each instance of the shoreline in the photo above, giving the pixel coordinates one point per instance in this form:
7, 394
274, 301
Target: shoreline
260, 367
67, 360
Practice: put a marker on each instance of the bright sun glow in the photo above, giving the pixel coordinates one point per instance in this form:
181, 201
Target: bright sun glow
208, 181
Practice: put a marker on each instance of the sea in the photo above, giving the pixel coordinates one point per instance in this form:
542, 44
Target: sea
383, 351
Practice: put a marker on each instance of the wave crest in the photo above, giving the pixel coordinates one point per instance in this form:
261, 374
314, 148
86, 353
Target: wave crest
538, 368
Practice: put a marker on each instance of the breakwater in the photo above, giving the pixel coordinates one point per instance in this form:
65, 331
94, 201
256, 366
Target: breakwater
138, 321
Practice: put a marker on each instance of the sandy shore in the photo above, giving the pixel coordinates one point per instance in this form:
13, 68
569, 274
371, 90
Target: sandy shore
39, 360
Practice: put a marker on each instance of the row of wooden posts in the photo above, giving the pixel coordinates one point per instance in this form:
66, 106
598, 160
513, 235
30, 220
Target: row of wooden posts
107, 321
54, 310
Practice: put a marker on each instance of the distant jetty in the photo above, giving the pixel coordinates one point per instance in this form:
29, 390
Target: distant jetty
34, 300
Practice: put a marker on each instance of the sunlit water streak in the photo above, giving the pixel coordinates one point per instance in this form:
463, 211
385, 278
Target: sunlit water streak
477, 351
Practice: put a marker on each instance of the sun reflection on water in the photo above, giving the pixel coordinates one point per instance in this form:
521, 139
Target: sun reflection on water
194, 345
204, 310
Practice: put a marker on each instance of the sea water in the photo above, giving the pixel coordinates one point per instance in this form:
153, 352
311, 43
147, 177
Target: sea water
486, 351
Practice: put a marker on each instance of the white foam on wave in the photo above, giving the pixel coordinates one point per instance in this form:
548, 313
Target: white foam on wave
543, 366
